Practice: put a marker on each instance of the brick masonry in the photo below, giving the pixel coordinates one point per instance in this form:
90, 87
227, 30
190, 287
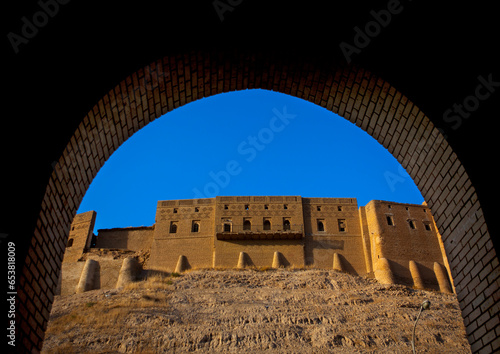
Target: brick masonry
350, 91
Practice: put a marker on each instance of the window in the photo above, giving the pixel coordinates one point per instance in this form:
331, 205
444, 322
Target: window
196, 210
247, 207
286, 224
267, 225
389, 206
342, 225
195, 227
318, 208
321, 225
285, 206
70, 243
390, 220
227, 227
226, 206
247, 225
266, 206
173, 227
412, 224
427, 226
175, 210
339, 208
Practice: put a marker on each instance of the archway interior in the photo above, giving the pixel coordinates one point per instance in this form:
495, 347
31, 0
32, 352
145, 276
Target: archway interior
250, 142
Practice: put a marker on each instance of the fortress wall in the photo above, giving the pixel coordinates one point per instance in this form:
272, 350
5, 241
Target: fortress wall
260, 252
365, 235
331, 226
256, 210
381, 238
131, 238
319, 252
109, 270
165, 252
412, 236
80, 236
175, 233
69, 277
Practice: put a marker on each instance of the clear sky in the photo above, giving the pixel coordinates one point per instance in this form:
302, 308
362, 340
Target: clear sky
252, 142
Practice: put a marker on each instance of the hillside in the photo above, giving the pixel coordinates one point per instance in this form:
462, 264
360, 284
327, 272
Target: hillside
258, 311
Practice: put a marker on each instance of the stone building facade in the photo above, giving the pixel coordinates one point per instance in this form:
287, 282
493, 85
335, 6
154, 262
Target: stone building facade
393, 242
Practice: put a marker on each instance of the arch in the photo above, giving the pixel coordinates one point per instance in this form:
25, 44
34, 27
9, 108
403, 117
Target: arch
247, 225
352, 92
267, 225
321, 226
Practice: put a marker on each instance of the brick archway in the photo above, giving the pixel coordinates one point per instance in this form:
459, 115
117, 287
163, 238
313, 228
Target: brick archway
353, 93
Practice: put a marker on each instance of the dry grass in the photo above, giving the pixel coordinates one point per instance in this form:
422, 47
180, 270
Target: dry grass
96, 316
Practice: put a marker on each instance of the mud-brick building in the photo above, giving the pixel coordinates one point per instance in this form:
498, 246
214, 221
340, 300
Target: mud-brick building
393, 242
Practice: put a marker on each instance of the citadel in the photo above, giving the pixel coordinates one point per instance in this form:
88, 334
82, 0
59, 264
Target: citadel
392, 242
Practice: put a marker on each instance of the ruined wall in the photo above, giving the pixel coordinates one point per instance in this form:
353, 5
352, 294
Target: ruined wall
402, 233
183, 227
332, 226
80, 236
130, 238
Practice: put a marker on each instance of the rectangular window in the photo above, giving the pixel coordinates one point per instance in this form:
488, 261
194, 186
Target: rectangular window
342, 225
247, 207
412, 224
427, 226
285, 206
318, 208
226, 206
227, 227
266, 207
175, 210
339, 208
390, 220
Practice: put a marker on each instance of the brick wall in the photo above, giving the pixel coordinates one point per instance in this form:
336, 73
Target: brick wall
132, 238
352, 92
411, 236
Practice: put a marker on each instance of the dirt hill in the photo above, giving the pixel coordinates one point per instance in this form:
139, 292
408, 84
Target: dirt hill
258, 311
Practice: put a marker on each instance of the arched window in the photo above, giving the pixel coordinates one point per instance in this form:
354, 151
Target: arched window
321, 226
173, 227
286, 225
267, 225
195, 227
247, 225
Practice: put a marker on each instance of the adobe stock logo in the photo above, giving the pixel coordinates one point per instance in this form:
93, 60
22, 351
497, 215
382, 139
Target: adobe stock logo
31, 26
471, 103
363, 36
248, 148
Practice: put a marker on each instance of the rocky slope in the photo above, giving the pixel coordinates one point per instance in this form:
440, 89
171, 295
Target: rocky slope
270, 311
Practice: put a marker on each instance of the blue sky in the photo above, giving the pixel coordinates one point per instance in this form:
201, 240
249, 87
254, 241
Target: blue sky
251, 142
